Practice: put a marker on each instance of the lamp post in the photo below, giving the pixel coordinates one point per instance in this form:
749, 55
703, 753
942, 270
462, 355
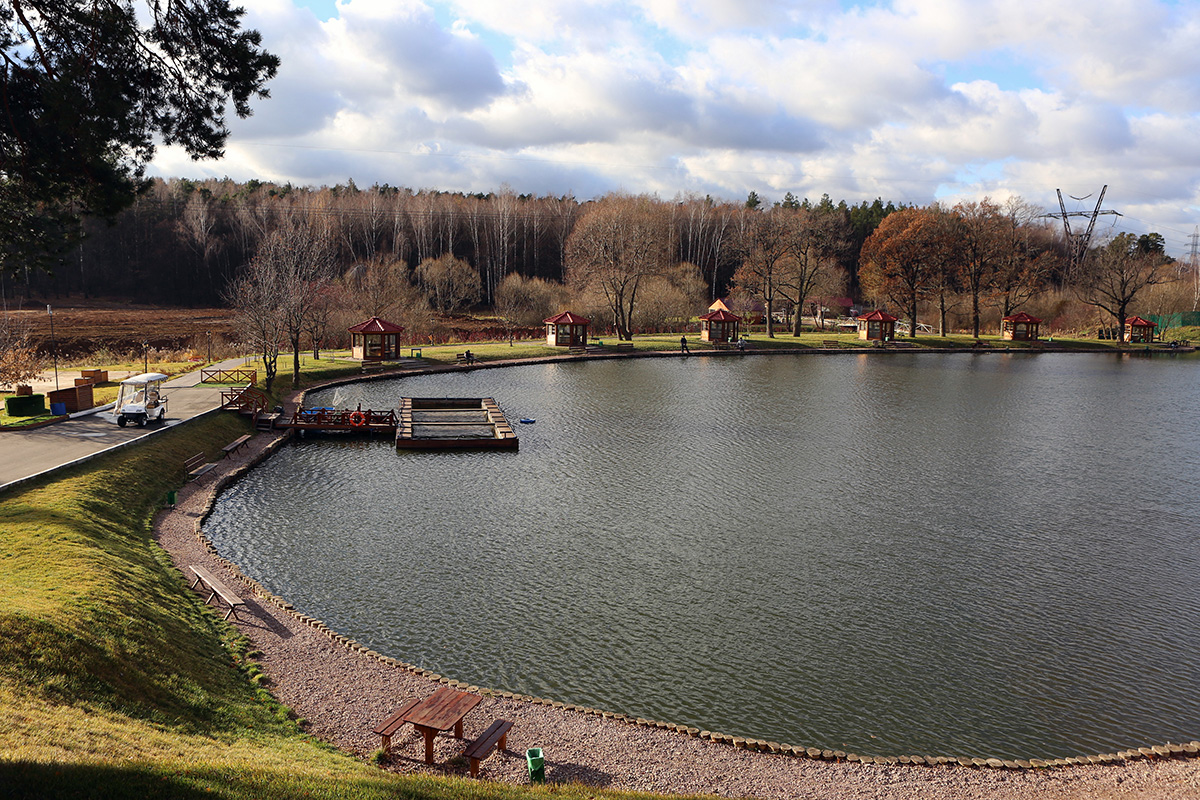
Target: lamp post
145, 356
209, 335
53, 345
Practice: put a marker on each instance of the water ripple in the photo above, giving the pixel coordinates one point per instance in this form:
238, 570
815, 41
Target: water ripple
955, 555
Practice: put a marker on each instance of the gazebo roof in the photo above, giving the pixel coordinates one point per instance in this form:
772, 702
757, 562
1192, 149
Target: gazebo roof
1138, 322
877, 316
567, 318
376, 325
1021, 316
718, 305
721, 315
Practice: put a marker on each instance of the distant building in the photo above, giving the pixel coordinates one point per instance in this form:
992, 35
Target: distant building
566, 330
719, 326
1139, 330
1020, 327
375, 340
877, 325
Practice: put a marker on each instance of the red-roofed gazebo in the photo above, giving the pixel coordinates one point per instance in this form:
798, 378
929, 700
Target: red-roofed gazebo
1139, 330
375, 340
719, 326
566, 330
877, 325
1020, 327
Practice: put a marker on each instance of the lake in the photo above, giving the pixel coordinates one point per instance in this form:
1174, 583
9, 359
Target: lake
989, 555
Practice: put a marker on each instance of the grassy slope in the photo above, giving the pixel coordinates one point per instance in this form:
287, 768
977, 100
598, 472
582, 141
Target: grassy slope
116, 681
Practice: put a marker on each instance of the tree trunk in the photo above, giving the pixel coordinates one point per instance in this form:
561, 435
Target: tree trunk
295, 362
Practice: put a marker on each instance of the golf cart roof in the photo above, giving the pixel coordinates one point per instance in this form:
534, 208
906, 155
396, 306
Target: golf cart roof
145, 377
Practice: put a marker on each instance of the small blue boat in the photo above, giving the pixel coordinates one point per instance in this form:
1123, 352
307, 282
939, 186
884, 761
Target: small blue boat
527, 421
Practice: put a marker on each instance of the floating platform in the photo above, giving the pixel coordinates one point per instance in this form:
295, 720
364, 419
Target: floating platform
442, 423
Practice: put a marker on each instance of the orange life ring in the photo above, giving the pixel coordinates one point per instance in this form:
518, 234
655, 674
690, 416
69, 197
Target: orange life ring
358, 419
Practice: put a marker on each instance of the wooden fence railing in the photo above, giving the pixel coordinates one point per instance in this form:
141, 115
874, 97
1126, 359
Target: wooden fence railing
247, 400
343, 418
236, 375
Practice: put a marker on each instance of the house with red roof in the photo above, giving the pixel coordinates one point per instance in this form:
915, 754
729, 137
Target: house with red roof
877, 325
1139, 330
566, 329
1019, 327
375, 340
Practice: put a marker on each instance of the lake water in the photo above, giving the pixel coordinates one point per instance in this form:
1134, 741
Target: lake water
982, 555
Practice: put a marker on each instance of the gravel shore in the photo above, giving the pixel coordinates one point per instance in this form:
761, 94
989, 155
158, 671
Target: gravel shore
344, 693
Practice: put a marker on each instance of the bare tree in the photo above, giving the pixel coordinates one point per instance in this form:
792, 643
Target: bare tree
1112, 276
450, 283
275, 296
1029, 256
525, 302
981, 244
764, 241
256, 297
618, 242
809, 262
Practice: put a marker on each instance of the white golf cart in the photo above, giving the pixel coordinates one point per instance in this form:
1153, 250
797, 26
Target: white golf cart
140, 400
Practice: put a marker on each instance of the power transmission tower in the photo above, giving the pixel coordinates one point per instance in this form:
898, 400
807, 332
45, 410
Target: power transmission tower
1077, 243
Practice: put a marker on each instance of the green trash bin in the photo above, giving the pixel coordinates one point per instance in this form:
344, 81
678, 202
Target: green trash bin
537, 765
171, 498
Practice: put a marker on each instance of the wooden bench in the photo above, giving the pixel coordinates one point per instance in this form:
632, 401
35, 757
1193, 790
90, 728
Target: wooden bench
578, 350
482, 747
622, 346
197, 465
372, 366
464, 358
831, 344
236, 444
389, 726
216, 589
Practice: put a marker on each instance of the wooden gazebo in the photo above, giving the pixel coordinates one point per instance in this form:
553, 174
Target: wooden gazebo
1139, 330
566, 329
878, 325
719, 326
375, 340
1020, 327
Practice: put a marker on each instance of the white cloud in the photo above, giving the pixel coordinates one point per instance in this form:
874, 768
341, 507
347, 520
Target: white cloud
906, 100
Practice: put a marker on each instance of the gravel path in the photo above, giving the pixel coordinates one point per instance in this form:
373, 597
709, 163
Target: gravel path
343, 693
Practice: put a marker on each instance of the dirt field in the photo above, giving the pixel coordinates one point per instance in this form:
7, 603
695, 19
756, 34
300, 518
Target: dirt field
83, 327
80, 330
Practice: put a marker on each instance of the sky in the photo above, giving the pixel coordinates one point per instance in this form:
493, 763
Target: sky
907, 100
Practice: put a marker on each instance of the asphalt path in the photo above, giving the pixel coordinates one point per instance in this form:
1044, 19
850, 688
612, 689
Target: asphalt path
27, 453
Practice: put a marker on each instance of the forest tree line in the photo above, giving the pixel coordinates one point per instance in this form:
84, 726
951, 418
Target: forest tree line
635, 262
182, 242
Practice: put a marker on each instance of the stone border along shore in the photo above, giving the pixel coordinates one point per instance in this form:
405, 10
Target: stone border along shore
1168, 750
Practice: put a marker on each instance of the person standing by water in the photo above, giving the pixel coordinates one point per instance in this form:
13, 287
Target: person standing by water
683, 348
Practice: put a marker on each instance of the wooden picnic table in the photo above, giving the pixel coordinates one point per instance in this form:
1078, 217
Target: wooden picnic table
441, 711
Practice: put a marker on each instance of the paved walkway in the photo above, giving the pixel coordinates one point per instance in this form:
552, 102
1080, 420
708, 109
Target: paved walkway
27, 453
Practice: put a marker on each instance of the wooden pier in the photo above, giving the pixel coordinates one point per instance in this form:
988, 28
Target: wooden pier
347, 420
438, 423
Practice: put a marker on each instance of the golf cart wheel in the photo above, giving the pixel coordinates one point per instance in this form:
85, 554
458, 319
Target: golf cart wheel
141, 422
121, 421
